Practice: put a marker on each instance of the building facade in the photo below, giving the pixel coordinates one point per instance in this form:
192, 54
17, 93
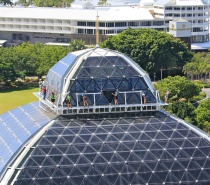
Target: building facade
196, 12
62, 25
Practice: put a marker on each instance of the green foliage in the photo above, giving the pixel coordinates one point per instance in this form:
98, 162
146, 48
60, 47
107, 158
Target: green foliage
7, 68
179, 87
199, 97
151, 49
28, 59
45, 3
203, 115
102, 2
198, 68
76, 45
184, 110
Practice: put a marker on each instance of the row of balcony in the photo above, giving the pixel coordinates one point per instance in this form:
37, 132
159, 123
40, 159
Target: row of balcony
34, 23
28, 21
185, 11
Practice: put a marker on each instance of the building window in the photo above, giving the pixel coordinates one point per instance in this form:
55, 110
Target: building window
101, 24
91, 24
109, 24
183, 8
200, 8
189, 8
89, 31
119, 31
176, 15
200, 14
81, 31
62, 40
146, 23
120, 24
197, 29
197, 39
81, 23
189, 15
176, 8
169, 15
158, 23
168, 8
27, 38
17, 36
133, 23
109, 31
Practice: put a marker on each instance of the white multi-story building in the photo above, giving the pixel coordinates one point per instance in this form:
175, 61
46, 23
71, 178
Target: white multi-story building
195, 11
62, 25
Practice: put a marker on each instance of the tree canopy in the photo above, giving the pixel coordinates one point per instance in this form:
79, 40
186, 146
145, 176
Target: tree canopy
43, 3
151, 49
184, 110
32, 59
203, 115
199, 67
179, 87
28, 59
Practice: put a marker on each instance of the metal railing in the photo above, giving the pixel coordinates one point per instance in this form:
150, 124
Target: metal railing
124, 106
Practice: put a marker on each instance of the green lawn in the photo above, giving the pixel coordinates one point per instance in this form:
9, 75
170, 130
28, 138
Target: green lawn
12, 98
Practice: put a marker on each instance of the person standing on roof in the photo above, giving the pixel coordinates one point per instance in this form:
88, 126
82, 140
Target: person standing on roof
144, 98
84, 100
68, 101
166, 95
44, 90
52, 98
115, 97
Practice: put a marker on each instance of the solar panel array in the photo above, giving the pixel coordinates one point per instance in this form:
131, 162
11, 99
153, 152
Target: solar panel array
16, 126
134, 150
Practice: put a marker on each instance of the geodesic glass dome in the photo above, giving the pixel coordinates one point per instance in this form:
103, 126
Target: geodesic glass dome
128, 147
98, 73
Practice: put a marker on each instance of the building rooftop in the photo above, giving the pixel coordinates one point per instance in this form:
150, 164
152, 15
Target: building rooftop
105, 13
180, 2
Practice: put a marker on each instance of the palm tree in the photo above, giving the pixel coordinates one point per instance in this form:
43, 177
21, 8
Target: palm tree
189, 69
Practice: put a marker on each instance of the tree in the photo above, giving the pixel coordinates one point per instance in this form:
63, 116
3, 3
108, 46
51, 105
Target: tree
102, 2
7, 71
152, 50
28, 59
76, 45
46, 3
203, 115
179, 87
199, 67
184, 110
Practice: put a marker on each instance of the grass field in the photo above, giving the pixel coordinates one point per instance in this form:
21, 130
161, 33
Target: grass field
14, 97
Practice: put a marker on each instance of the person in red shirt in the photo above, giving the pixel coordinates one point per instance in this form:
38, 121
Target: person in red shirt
44, 90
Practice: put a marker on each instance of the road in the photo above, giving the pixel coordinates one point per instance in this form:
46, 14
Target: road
207, 91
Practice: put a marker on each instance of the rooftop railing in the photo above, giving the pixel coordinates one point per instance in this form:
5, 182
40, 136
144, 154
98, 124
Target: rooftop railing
94, 107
